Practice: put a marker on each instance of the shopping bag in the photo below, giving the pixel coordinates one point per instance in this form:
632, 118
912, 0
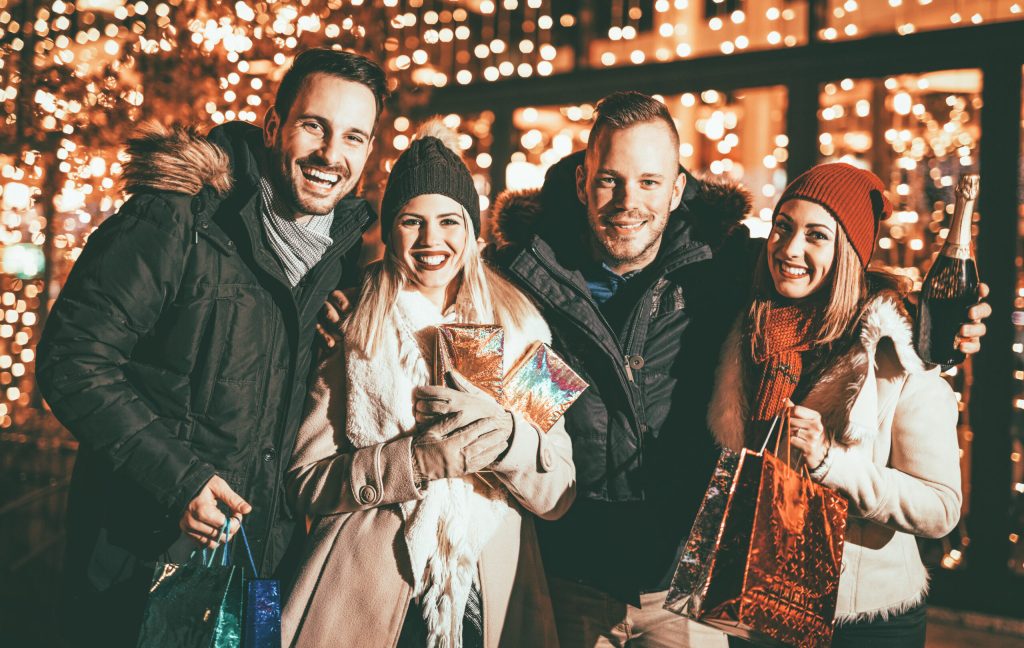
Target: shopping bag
687, 589
770, 570
197, 604
262, 625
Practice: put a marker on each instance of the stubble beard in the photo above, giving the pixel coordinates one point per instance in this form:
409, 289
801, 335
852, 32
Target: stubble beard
286, 184
618, 252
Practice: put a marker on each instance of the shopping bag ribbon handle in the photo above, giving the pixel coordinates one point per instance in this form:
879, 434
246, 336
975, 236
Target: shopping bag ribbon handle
248, 552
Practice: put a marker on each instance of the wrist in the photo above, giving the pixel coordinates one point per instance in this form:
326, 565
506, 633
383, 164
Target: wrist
818, 472
419, 479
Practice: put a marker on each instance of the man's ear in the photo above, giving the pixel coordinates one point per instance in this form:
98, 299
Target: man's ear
271, 126
677, 190
581, 184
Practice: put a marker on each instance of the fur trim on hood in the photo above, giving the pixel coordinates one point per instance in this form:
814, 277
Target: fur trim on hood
712, 206
838, 390
175, 159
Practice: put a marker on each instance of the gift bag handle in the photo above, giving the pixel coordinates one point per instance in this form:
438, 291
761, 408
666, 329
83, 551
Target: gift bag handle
248, 552
782, 420
208, 560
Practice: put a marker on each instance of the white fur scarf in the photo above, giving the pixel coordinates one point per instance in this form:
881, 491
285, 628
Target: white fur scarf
446, 531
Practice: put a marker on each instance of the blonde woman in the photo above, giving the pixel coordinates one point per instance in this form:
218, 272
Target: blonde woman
409, 545
871, 420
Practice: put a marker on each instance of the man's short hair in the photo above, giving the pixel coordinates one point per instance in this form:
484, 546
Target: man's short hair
626, 108
347, 65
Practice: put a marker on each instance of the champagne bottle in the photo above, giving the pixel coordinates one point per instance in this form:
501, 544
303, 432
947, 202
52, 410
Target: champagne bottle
951, 286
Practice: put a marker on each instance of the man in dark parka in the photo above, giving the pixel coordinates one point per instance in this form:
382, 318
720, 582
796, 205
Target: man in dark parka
616, 250
179, 351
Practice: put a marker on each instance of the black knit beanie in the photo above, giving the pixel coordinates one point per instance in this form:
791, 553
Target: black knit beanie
428, 167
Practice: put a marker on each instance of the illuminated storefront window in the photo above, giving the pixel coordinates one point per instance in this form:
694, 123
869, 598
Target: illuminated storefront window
1016, 518
919, 133
639, 32
846, 19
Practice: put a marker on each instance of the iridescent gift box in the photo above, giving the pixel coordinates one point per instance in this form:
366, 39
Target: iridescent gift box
541, 386
474, 350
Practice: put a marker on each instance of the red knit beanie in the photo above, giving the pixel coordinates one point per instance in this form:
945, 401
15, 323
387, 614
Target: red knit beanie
854, 197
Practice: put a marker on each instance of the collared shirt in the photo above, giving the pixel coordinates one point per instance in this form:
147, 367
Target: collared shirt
603, 282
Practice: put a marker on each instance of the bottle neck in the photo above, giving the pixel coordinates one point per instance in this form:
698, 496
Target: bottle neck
958, 240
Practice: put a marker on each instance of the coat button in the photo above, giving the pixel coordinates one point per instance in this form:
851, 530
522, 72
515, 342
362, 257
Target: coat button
547, 457
636, 362
269, 454
367, 494
198, 204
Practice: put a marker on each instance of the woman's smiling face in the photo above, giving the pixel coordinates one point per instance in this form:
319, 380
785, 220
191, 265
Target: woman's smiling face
429, 238
801, 248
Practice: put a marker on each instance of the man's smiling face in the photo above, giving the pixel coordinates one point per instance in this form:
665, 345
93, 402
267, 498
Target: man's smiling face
629, 184
319, 149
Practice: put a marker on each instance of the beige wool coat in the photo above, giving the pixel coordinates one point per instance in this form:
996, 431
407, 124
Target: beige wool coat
355, 584
895, 455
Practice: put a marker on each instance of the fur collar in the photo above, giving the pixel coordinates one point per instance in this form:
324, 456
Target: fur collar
848, 411
712, 207
175, 159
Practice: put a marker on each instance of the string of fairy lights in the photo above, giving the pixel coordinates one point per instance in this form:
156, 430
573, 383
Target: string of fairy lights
76, 76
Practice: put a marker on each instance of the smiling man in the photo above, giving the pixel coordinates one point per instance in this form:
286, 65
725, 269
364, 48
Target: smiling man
619, 262
179, 351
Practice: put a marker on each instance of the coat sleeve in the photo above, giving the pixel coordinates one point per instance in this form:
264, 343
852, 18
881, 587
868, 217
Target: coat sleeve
918, 492
127, 275
538, 468
327, 475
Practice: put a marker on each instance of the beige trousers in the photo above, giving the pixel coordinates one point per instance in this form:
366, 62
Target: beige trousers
588, 618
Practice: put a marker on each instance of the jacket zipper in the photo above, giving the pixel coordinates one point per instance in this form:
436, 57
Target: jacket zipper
330, 255
579, 323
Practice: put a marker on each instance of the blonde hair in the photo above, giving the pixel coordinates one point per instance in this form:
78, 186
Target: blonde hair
847, 289
485, 297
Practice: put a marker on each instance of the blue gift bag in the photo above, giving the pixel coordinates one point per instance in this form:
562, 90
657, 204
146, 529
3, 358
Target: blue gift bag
262, 622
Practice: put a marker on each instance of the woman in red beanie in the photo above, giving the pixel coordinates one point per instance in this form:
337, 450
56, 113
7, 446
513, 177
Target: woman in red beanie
832, 342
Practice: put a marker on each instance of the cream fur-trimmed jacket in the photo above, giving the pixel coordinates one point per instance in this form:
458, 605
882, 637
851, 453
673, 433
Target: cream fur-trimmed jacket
895, 455
375, 534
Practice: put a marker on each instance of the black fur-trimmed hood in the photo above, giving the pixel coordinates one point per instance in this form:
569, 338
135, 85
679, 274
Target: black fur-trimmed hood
711, 207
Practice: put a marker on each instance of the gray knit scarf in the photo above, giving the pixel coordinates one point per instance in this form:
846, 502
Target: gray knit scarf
297, 247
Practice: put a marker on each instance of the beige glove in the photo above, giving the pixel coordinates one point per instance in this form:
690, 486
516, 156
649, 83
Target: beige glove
466, 430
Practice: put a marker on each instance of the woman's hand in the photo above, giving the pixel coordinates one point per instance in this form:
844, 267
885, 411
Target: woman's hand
466, 430
808, 435
468, 403
968, 339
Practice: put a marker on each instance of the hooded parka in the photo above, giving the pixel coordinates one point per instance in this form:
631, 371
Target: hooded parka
178, 350
642, 451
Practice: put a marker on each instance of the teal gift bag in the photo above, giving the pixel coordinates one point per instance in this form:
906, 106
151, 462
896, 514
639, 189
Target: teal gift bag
197, 604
